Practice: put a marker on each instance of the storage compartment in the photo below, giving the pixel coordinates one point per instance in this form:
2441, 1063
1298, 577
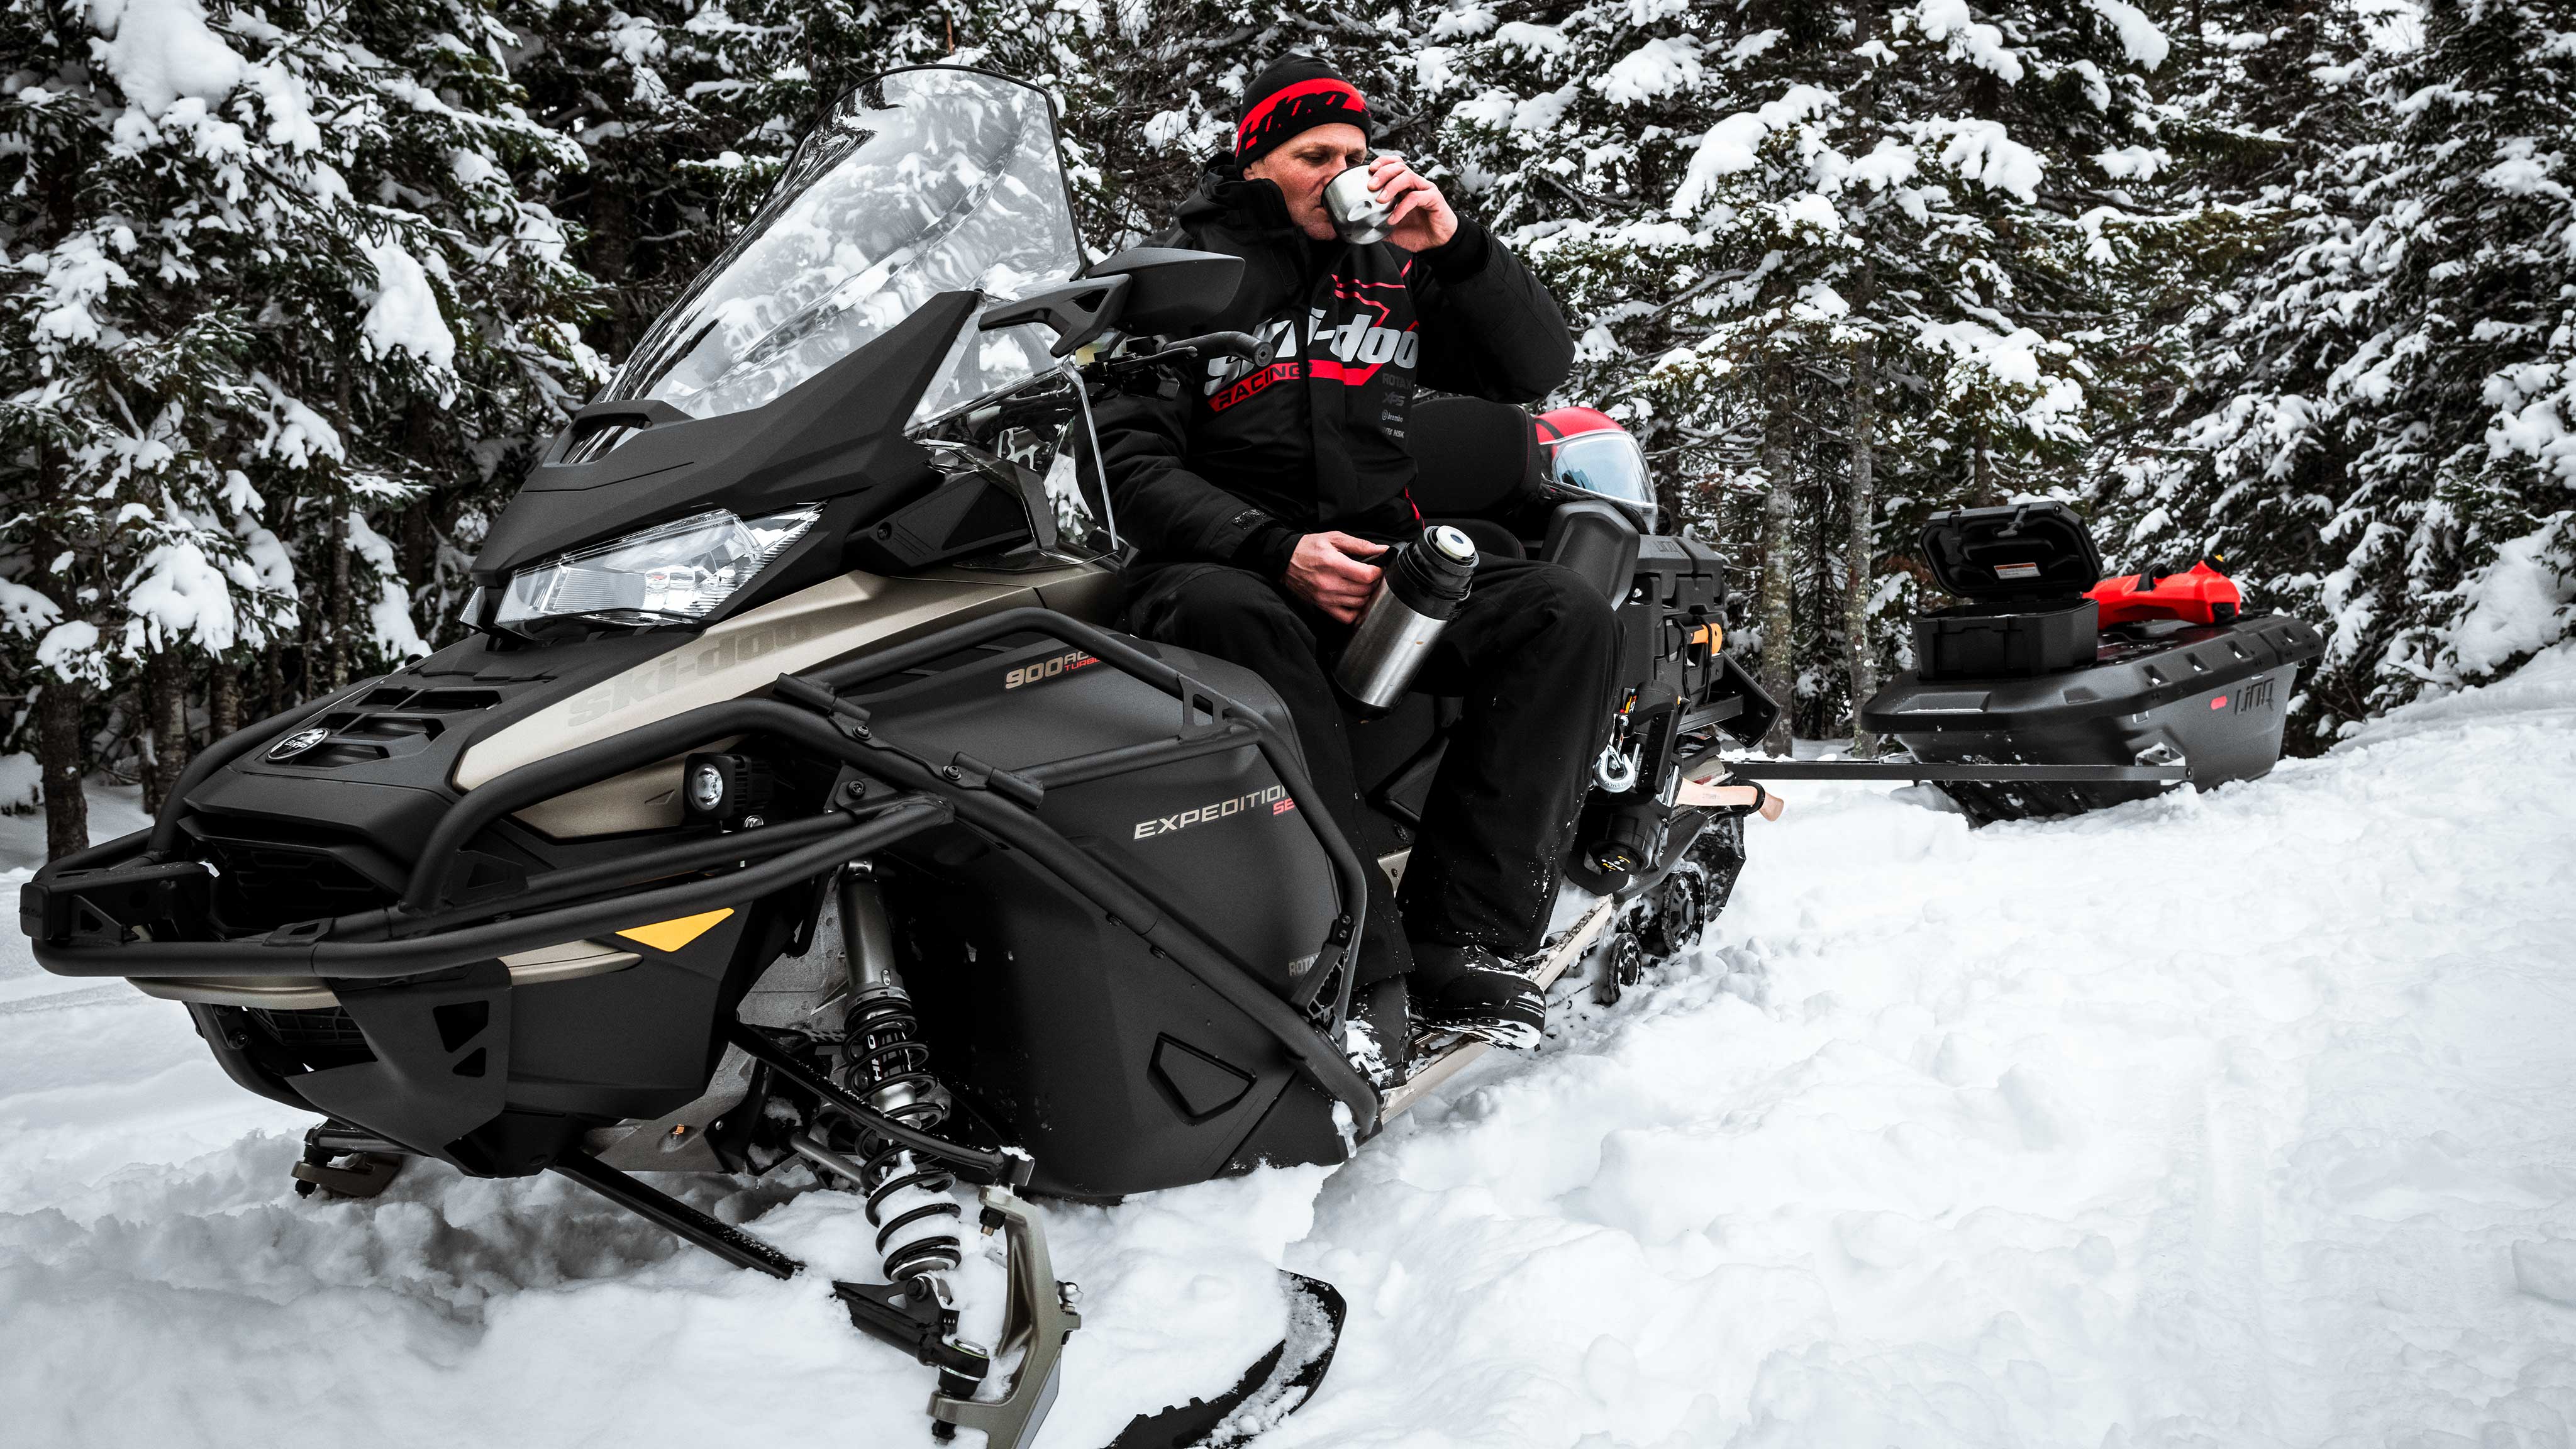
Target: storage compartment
2021, 571
2005, 640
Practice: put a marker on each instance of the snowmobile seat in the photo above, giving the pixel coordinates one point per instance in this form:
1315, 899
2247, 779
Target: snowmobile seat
1479, 467
1473, 459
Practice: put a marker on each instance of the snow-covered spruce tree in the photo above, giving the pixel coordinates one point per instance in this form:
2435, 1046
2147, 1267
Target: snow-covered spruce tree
2233, 459
2005, 191
1748, 208
2378, 432
277, 312
639, 90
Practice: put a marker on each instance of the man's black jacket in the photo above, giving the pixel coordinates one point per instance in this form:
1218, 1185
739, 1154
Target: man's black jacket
1232, 472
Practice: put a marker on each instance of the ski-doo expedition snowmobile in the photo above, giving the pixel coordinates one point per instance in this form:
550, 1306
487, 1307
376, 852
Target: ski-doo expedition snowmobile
794, 801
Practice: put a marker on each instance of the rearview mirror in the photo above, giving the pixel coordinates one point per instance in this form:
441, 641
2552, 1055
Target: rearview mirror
1078, 312
1170, 289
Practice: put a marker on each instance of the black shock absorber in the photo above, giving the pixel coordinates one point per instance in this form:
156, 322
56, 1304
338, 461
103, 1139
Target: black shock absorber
885, 1064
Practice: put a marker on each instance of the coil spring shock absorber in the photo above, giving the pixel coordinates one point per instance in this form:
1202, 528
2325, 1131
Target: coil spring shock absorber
885, 1064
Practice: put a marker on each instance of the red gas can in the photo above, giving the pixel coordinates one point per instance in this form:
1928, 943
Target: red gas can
2198, 595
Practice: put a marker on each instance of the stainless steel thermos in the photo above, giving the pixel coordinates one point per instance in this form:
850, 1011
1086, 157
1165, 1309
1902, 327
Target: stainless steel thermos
1419, 587
1356, 211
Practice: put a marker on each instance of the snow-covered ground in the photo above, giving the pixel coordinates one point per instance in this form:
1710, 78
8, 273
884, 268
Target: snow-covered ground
2241, 1119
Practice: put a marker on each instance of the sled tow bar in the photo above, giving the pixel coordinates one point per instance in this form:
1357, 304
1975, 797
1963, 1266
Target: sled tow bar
1940, 774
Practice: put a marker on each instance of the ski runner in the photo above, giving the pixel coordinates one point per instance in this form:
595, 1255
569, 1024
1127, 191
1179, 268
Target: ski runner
1256, 502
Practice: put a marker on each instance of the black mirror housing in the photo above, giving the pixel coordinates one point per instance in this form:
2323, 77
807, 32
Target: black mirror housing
1171, 289
1078, 311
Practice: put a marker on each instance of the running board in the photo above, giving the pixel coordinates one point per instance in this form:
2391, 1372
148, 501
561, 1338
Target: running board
1445, 1054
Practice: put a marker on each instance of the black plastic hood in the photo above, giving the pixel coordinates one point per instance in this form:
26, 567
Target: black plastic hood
836, 433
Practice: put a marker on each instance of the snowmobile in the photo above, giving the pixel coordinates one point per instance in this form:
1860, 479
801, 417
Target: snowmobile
794, 800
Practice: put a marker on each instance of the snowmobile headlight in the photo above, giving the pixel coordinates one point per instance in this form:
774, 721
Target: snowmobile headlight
671, 573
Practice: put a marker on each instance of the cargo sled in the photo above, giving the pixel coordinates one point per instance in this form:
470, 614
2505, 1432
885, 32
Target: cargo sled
2110, 689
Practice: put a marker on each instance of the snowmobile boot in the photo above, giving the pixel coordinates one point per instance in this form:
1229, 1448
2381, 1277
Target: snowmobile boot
1472, 991
1378, 1039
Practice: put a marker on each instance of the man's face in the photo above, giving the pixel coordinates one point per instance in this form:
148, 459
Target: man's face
1303, 163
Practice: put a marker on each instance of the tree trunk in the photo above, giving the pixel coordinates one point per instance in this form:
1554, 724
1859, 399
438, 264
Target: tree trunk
1779, 516
611, 251
1860, 553
223, 699
272, 680
336, 650
165, 726
58, 758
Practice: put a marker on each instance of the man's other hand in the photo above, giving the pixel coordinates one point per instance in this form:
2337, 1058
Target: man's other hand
1418, 217
1331, 571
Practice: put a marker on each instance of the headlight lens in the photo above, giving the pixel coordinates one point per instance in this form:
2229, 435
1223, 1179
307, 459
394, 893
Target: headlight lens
671, 573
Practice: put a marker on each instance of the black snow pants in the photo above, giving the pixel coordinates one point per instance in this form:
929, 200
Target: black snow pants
1532, 654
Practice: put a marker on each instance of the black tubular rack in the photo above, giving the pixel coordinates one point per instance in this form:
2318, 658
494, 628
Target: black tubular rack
426, 932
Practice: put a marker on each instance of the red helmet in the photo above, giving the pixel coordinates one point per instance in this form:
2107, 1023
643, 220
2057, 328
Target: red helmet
1587, 449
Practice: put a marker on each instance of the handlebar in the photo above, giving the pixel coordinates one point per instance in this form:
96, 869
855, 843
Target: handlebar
1225, 344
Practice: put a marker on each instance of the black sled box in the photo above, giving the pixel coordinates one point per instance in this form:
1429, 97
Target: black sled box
2022, 572
2005, 682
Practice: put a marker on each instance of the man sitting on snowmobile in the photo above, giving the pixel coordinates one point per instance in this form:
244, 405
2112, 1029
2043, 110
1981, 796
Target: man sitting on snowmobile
1257, 502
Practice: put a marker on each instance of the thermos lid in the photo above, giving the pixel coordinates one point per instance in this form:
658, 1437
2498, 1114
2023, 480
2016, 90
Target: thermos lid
1431, 576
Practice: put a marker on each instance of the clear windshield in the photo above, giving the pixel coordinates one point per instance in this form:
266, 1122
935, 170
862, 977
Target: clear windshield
1605, 463
919, 182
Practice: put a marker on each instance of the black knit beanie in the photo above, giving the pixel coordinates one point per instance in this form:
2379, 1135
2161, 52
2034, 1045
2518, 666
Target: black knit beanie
1294, 93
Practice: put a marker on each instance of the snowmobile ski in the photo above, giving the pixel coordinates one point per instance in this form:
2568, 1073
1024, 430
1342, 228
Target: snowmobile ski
1272, 1389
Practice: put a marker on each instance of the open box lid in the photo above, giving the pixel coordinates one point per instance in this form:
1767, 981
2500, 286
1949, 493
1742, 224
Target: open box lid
2019, 551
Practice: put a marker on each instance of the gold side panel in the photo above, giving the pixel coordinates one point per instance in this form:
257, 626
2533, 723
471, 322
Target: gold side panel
829, 622
679, 931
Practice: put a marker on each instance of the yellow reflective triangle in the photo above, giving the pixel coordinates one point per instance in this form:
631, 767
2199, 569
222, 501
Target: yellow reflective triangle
677, 932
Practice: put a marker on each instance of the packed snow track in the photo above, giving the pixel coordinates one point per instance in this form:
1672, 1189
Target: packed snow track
2240, 1119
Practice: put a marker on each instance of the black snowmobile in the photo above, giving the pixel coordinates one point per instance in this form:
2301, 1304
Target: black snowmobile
794, 802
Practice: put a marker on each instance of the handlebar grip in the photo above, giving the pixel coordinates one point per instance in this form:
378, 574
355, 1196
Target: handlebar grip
1228, 344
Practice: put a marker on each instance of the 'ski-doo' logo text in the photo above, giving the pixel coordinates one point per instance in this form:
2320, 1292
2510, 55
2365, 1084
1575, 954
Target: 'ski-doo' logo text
1276, 797
1047, 669
714, 655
